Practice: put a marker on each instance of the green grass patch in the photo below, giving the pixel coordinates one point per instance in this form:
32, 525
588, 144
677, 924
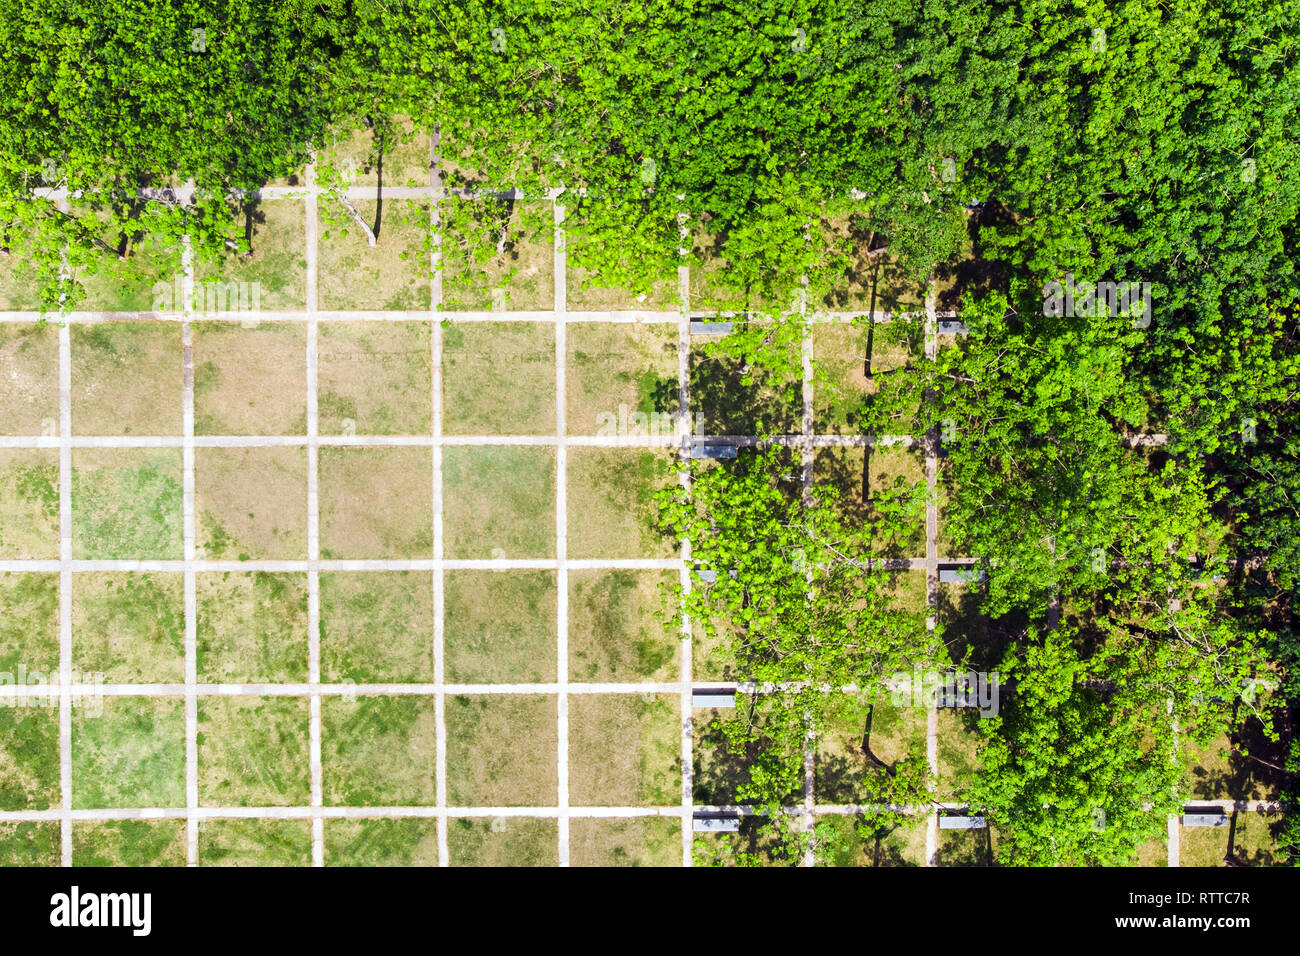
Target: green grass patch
498, 378
275, 261
29, 757
131, 755
391, 275
378, 751
406, 842
128, 843
500, 627
129, 626
126, 503
499, 502
29, 503
253, 752
254, 842
29, 627
29, 844
252, 628
611, 505
376, 626
623, 626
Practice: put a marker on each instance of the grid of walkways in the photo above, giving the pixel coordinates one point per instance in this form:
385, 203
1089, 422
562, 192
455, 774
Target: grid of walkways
441, 810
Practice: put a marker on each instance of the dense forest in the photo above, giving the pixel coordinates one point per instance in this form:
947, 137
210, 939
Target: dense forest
1142, 591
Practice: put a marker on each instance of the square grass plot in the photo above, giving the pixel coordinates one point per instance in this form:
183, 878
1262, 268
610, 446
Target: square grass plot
29, 367
29, 627
128, 843
376, 626
852, 362
376, 502
498, 378
611, 507
864, 729
624, 626
29, 503
253, 752
381, 842
502, 750
25, 843
250, 381
622, 379
392, 275
132, 754
126, 504
251, 503
500, 627
625, 750
271, 273
636, 841
252, 628
240, 842
375, 378
129, 627
378, 751
126, 378
499, 501
503, 841
29, 754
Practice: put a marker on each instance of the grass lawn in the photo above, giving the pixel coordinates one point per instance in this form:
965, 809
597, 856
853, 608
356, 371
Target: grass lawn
250, 381
624, 750
126, 503
378, 751
637, 841
29, 503
499, 502
503, 841
376, 502
498, 378
126, 378
412, 842
133, 755
237, 842
251, 503
253, 752
252, 628
129, 626
375, 378
376, 626
623, 626
501, 750
611, 509
500, 627
29, 367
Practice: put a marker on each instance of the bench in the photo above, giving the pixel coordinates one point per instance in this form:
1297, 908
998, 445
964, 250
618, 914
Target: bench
961, 823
